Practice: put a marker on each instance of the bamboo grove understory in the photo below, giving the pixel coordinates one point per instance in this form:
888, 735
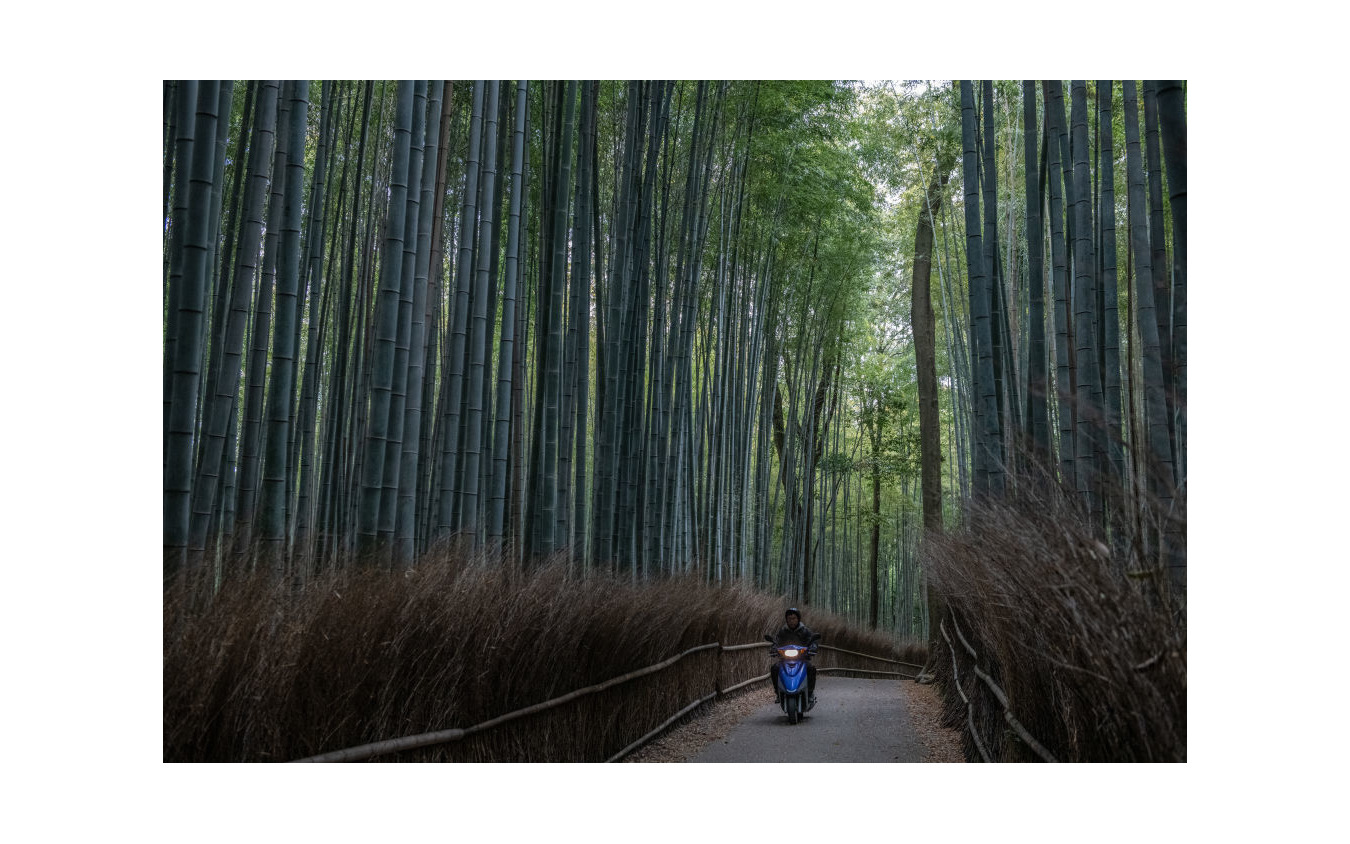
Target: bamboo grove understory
721, 329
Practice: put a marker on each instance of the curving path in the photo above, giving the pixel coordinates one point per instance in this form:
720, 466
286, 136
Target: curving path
853, 721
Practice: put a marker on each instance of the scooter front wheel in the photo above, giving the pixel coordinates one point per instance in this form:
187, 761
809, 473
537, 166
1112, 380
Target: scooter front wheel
793, 706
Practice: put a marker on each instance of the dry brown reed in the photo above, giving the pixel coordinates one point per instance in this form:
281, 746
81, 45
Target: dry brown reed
1087, 641
272, 671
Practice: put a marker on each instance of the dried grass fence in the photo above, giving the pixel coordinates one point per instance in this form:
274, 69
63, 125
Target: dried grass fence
1058, 646
584, 669
998, 693
374, 749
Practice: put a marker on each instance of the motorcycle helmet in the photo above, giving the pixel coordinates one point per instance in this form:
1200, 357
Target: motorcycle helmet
792, 611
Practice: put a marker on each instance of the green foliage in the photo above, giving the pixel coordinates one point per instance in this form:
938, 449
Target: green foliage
817, 198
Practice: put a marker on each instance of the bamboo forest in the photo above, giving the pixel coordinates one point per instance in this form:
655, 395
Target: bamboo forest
651, 361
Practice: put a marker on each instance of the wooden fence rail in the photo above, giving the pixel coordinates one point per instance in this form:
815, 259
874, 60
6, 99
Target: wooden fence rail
998, 693
379, 748
905, 674
869, 656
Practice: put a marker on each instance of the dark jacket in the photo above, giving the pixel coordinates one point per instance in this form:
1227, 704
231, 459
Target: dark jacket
802, 635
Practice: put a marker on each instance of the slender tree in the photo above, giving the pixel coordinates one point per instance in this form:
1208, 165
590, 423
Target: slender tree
501, 440
1155, 401
319, 296
272, 507
1162, 292
334, 467
1059, 251
408, 483
187, 352
223, 402
481, 329
1172, 121
1109, 294
450, 453
386, 329
988, 465
580, 310
993, 276
185, 122
1087, 441
543, 474
1038, 381
925, 350
393, 461
254, 432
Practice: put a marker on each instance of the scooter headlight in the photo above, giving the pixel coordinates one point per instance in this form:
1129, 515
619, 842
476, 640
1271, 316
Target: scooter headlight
791, 652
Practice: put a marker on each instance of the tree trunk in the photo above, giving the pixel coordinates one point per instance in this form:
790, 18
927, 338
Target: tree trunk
925, 353
409, 484
450, 449
478, 340
1054, 107
386, 331
1162, 289
272, 507
191, 308
1037, 378
1159, 467
1109, 295
1087, 440
989, 467
1172, 120
993, 278
221, 405
501, 438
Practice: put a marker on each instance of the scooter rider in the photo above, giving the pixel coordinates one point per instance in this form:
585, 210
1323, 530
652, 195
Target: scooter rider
794, 631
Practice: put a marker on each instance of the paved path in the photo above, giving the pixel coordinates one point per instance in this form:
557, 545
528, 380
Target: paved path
853, 721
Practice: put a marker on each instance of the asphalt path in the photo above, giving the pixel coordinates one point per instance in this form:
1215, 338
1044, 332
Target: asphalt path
853, 721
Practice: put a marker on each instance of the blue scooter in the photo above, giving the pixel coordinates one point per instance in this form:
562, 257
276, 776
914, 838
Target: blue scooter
792, 687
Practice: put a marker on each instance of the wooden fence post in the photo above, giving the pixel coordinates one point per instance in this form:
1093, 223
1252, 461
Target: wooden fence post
717, 673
